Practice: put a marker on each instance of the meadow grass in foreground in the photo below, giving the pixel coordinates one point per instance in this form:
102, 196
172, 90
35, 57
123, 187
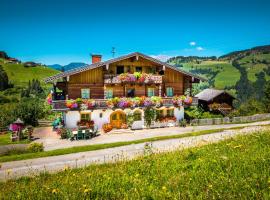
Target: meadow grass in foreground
237, 168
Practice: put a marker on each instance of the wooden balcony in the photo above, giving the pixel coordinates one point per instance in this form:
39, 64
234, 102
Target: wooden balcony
60, 105
114, 79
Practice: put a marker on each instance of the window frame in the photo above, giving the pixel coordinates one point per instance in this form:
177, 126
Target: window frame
85, 118
153, 90
109, 89
171, 91
82, 93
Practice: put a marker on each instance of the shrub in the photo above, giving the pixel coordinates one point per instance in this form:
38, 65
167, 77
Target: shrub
107, 127
62, 132
35, 147
149, 115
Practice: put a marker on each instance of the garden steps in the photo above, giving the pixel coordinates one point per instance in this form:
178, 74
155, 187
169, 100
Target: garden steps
45, 123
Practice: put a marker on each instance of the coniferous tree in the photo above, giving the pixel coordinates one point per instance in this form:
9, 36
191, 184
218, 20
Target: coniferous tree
4, 84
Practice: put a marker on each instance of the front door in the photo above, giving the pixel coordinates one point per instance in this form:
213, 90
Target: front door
117, 119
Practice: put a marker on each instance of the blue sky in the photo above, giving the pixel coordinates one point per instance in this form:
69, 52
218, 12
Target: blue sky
58, 31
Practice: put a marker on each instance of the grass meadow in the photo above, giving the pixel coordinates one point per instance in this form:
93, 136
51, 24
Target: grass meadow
237, 168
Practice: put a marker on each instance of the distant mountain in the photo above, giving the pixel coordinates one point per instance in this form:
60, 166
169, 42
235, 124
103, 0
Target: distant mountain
70, 66
247, 52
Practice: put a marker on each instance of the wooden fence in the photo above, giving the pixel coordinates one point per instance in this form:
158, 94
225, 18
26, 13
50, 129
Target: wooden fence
232, 120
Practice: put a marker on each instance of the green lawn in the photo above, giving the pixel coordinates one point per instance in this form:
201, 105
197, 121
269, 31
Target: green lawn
238, 168
5, 140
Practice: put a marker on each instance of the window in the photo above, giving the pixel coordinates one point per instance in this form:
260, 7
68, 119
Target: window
85, 117
138, 69
169, 91
85, 93
131, 92
119, 69
109, 93
151, 70
137, 115
150, 92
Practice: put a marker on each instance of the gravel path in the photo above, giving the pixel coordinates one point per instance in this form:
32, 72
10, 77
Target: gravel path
31, 167
51, 140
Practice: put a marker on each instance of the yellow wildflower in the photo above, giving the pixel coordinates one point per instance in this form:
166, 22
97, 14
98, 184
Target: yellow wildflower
86, 190
164, 188
54, 191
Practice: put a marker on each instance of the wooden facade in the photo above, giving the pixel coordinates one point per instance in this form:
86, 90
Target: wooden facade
93, 79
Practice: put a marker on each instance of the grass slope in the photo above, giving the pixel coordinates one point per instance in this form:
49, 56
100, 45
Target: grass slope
20, 75
233, 169
228, 75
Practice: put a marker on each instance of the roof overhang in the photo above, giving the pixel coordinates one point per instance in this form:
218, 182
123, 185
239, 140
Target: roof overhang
100, 64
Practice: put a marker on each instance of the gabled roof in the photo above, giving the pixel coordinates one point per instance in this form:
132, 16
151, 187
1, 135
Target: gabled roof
209, 94
99, 64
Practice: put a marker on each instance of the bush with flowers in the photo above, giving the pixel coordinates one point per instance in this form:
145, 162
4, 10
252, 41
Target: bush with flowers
135, 77
107, 127
49, 99
180, 100
72, 104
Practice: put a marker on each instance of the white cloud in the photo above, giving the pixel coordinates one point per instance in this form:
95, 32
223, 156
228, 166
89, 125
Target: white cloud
192, 43
199, 48
161, 57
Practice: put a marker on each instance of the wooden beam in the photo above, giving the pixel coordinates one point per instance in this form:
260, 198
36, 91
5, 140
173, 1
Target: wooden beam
137, 57
107, 67
163, 67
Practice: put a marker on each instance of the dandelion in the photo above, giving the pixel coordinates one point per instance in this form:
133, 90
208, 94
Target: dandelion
210, 186
54, 191
8, 171
86, 190
66, 167
164, 188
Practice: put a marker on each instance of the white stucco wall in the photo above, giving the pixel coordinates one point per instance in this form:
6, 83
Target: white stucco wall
71, 119
101, 117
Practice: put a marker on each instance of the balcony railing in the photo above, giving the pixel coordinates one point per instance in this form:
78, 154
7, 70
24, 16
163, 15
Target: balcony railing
115, 79
60, 105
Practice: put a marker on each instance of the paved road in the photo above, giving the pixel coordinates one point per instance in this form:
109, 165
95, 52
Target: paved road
56, 163
51, 140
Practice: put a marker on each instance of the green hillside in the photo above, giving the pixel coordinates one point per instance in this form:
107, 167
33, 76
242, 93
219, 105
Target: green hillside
20, 75
220, 72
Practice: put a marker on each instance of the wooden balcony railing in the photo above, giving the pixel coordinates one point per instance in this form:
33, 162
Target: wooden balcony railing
113, 79
60, 105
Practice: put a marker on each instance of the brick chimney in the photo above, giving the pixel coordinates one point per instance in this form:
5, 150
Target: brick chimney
96, 58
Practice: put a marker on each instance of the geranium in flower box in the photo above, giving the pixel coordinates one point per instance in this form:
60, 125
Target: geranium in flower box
188, 101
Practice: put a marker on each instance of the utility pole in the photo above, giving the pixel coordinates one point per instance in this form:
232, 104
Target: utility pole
113, 51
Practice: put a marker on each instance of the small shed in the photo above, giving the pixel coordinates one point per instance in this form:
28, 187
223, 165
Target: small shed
215, 100
17, 125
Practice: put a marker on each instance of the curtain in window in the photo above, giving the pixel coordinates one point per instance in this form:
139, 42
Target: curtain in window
169, 91
85, 93
109, 93
150, 92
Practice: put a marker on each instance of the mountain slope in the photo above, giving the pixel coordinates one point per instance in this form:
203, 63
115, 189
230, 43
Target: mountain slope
221, 72
20, 75
70, 66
